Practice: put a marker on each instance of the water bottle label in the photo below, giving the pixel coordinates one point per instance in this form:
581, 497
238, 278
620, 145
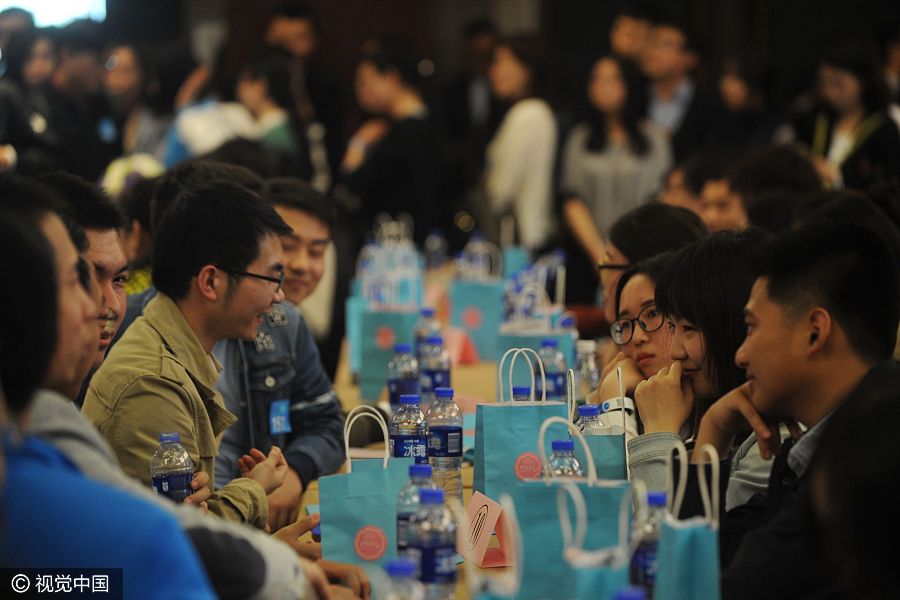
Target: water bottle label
279, 417
435, 378
644, 563
437, 563
398, 387
445, 441
403, 531
556, 385
414, 446
175, 486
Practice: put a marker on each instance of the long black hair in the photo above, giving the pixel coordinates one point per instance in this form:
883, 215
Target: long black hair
708, 283
633, 112
654, 228
860, 59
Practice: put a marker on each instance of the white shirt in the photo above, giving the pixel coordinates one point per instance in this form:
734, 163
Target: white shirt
519, 172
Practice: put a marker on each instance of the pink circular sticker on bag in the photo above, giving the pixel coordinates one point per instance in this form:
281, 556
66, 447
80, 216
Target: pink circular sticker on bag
385, 338
472, 317
528, 466
370, 543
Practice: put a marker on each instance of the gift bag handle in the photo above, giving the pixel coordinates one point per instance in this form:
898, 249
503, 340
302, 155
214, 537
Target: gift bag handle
542, 434
576, 542
709, 495
361, 412
570, 393
515, 352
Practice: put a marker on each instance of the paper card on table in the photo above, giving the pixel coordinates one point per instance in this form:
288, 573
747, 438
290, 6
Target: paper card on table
484, 516
460, 346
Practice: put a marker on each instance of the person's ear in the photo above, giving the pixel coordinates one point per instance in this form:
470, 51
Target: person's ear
212, 282
819, 329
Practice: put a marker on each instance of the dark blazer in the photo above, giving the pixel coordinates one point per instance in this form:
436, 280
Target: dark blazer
769, 547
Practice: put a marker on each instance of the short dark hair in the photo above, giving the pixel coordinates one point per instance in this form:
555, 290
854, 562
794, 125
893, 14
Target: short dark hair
773, 168
193, 174
265, 161
393, 53
295, 9
91, 206
26, 344
844, 269
291, 192
479, 26
82, 35
32, 201
710, 165
220, 224
135, 202
708, 283
673, 18
654, 228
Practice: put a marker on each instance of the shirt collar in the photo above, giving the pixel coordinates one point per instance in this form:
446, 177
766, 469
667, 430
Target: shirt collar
801, 454
165, 317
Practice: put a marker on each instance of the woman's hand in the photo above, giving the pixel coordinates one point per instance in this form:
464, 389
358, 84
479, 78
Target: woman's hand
665, 401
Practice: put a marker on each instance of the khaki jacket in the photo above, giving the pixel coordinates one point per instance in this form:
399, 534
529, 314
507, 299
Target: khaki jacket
156, 379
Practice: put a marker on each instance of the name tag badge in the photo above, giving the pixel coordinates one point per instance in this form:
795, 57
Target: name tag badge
279, 417
264, 342
276, 317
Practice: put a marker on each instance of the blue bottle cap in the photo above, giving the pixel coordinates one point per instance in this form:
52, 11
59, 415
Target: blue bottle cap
420, 470
169, 437
427, 312
562, 445
566, 322
409, 399
521, 390
443, 392
401, 567
656, 498
431, 496
588, 410
549, 343
630, 593
434, 339
402, 348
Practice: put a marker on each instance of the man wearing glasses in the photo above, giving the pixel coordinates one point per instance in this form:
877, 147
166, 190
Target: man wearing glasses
214, 282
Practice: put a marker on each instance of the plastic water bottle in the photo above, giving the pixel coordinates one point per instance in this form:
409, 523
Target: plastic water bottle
476, 257
590, 420
630, 593
432, 543
408, 431
435, 248
426, 326
521, 393
587, 374
404, 585
403, 375
171, 468
445, 438
434, 369
408, 502
563, 462
554, 370
644, 561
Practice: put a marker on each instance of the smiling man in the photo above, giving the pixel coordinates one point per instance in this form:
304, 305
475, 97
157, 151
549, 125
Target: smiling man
217, 266
101, 220
821, 326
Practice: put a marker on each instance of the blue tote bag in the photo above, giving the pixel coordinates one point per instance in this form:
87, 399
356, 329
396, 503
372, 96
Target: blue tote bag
607, 450
358, 509
598, 573
689, 549
545, 572
477, 308
505, 432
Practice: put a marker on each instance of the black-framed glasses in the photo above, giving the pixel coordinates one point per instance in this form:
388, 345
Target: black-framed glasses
649, 319
278, 280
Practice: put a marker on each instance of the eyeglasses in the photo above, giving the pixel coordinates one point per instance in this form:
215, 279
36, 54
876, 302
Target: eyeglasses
278, 280
650, 319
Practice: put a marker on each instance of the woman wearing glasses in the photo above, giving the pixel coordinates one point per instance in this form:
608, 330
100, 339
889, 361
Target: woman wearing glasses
701, 291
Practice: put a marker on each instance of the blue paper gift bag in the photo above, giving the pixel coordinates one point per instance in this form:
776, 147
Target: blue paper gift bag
381, 329
546, 574
504, 436
477, 308
689, 549
608, 450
